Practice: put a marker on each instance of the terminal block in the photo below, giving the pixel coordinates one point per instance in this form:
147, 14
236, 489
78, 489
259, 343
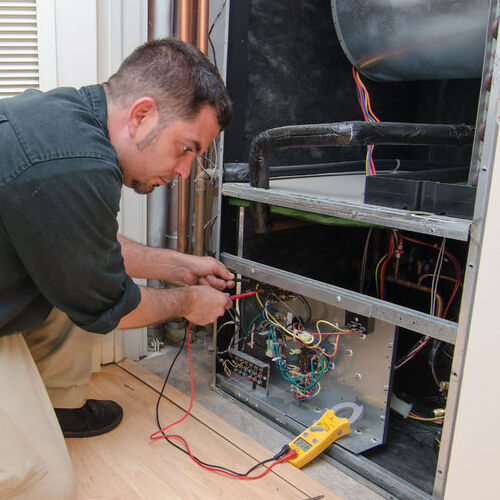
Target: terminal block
248, 367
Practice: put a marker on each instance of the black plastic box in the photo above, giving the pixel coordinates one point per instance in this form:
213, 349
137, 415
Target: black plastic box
437, 191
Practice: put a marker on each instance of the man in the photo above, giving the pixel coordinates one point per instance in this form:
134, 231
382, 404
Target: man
64, 271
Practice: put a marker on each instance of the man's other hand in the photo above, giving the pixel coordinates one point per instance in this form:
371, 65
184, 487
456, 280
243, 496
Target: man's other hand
205, 304
204, 271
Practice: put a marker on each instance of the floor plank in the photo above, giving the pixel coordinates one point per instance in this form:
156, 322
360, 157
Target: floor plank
125, 464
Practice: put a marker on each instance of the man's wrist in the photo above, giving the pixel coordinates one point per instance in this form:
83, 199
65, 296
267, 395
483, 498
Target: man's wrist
184, 299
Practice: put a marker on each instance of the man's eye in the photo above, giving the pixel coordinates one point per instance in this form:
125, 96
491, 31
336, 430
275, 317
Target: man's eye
186, 149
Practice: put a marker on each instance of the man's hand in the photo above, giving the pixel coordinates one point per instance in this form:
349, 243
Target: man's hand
192, 269
200, 304
205, 304
168, 265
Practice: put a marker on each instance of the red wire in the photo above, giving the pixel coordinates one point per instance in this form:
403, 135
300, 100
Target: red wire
288, 456
333, 333
155, 436
360, 96
384, 265
245, 294
458, 269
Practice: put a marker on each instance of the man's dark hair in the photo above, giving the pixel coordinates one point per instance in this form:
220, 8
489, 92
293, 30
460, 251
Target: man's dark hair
176, 75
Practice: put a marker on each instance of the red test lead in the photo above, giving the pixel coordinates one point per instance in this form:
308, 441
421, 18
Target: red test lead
242, 295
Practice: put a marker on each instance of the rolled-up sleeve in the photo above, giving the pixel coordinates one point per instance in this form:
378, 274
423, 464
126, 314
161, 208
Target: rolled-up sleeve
61, 219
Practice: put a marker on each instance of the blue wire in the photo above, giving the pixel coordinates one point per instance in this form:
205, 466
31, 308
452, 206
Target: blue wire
282, 365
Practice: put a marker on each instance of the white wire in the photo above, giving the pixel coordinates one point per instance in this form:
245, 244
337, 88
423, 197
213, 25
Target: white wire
435, 278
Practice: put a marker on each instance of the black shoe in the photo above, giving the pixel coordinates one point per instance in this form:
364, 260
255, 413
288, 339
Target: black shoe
93, 418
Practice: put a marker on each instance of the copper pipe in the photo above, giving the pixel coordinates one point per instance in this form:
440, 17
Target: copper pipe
185, 34
415, 286
184, 9
202, 26
200, 187
151, 19
200, 182
448, 278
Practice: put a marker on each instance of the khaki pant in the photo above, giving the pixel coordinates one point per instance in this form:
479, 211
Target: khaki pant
34, 460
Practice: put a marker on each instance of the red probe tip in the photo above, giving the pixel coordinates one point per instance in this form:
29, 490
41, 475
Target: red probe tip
242, 295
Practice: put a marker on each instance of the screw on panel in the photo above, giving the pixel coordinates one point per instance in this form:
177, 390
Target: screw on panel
494, 28
349, 352
358, 376
487, 80
481, 131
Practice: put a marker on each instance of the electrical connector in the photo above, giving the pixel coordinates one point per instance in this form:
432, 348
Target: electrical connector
282, 452
305, 337
439, 412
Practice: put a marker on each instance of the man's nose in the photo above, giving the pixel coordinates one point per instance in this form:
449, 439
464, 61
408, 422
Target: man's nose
184, 168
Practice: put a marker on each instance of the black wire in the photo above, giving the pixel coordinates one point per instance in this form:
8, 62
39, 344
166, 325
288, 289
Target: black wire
308, 308
306, 305
217, 18
213, 50
211, 29
219, 467
235, 316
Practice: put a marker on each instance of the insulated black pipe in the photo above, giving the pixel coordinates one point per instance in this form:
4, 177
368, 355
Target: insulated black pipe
355, 133
238, 172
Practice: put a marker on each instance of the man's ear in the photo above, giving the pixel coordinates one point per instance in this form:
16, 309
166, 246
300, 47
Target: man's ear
142, 114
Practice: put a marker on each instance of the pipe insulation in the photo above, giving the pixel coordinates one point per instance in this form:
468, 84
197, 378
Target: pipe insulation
355, 133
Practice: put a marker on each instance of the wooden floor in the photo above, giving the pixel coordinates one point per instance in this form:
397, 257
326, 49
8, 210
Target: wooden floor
125, 464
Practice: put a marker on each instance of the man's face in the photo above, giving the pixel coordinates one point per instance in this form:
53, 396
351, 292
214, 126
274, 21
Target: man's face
159, 155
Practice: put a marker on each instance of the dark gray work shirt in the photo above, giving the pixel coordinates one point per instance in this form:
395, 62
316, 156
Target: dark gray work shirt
60, 187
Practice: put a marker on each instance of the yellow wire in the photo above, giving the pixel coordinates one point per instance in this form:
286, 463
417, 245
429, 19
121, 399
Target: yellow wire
272, 319
382, 259
376, 271
416, 417
329, 324
227, 371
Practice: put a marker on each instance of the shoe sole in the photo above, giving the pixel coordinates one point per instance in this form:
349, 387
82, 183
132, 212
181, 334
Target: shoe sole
96, 432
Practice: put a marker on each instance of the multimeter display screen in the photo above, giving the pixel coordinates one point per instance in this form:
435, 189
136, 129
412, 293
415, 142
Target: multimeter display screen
302, 444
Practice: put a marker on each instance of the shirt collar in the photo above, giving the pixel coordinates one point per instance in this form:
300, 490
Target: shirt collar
96, 98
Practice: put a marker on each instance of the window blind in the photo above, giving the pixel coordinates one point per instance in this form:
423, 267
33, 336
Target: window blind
18, 47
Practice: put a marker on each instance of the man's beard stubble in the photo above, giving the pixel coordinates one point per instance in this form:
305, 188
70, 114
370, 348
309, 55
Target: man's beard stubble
137, 186
141, 187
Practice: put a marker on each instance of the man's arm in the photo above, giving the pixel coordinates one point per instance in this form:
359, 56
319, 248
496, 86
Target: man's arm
200, 304
169, 265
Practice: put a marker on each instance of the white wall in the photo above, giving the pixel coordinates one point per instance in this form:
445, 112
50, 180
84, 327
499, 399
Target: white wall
475, 448
82, 42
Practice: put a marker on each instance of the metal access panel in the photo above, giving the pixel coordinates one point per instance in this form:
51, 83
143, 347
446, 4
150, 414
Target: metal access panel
359, 371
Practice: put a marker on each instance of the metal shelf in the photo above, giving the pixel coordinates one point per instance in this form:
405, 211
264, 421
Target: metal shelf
342, 196
358, 303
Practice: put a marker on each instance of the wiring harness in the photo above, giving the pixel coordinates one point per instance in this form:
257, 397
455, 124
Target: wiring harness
301, 354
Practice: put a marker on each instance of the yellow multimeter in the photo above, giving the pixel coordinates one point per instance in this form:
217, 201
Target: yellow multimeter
319, 436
